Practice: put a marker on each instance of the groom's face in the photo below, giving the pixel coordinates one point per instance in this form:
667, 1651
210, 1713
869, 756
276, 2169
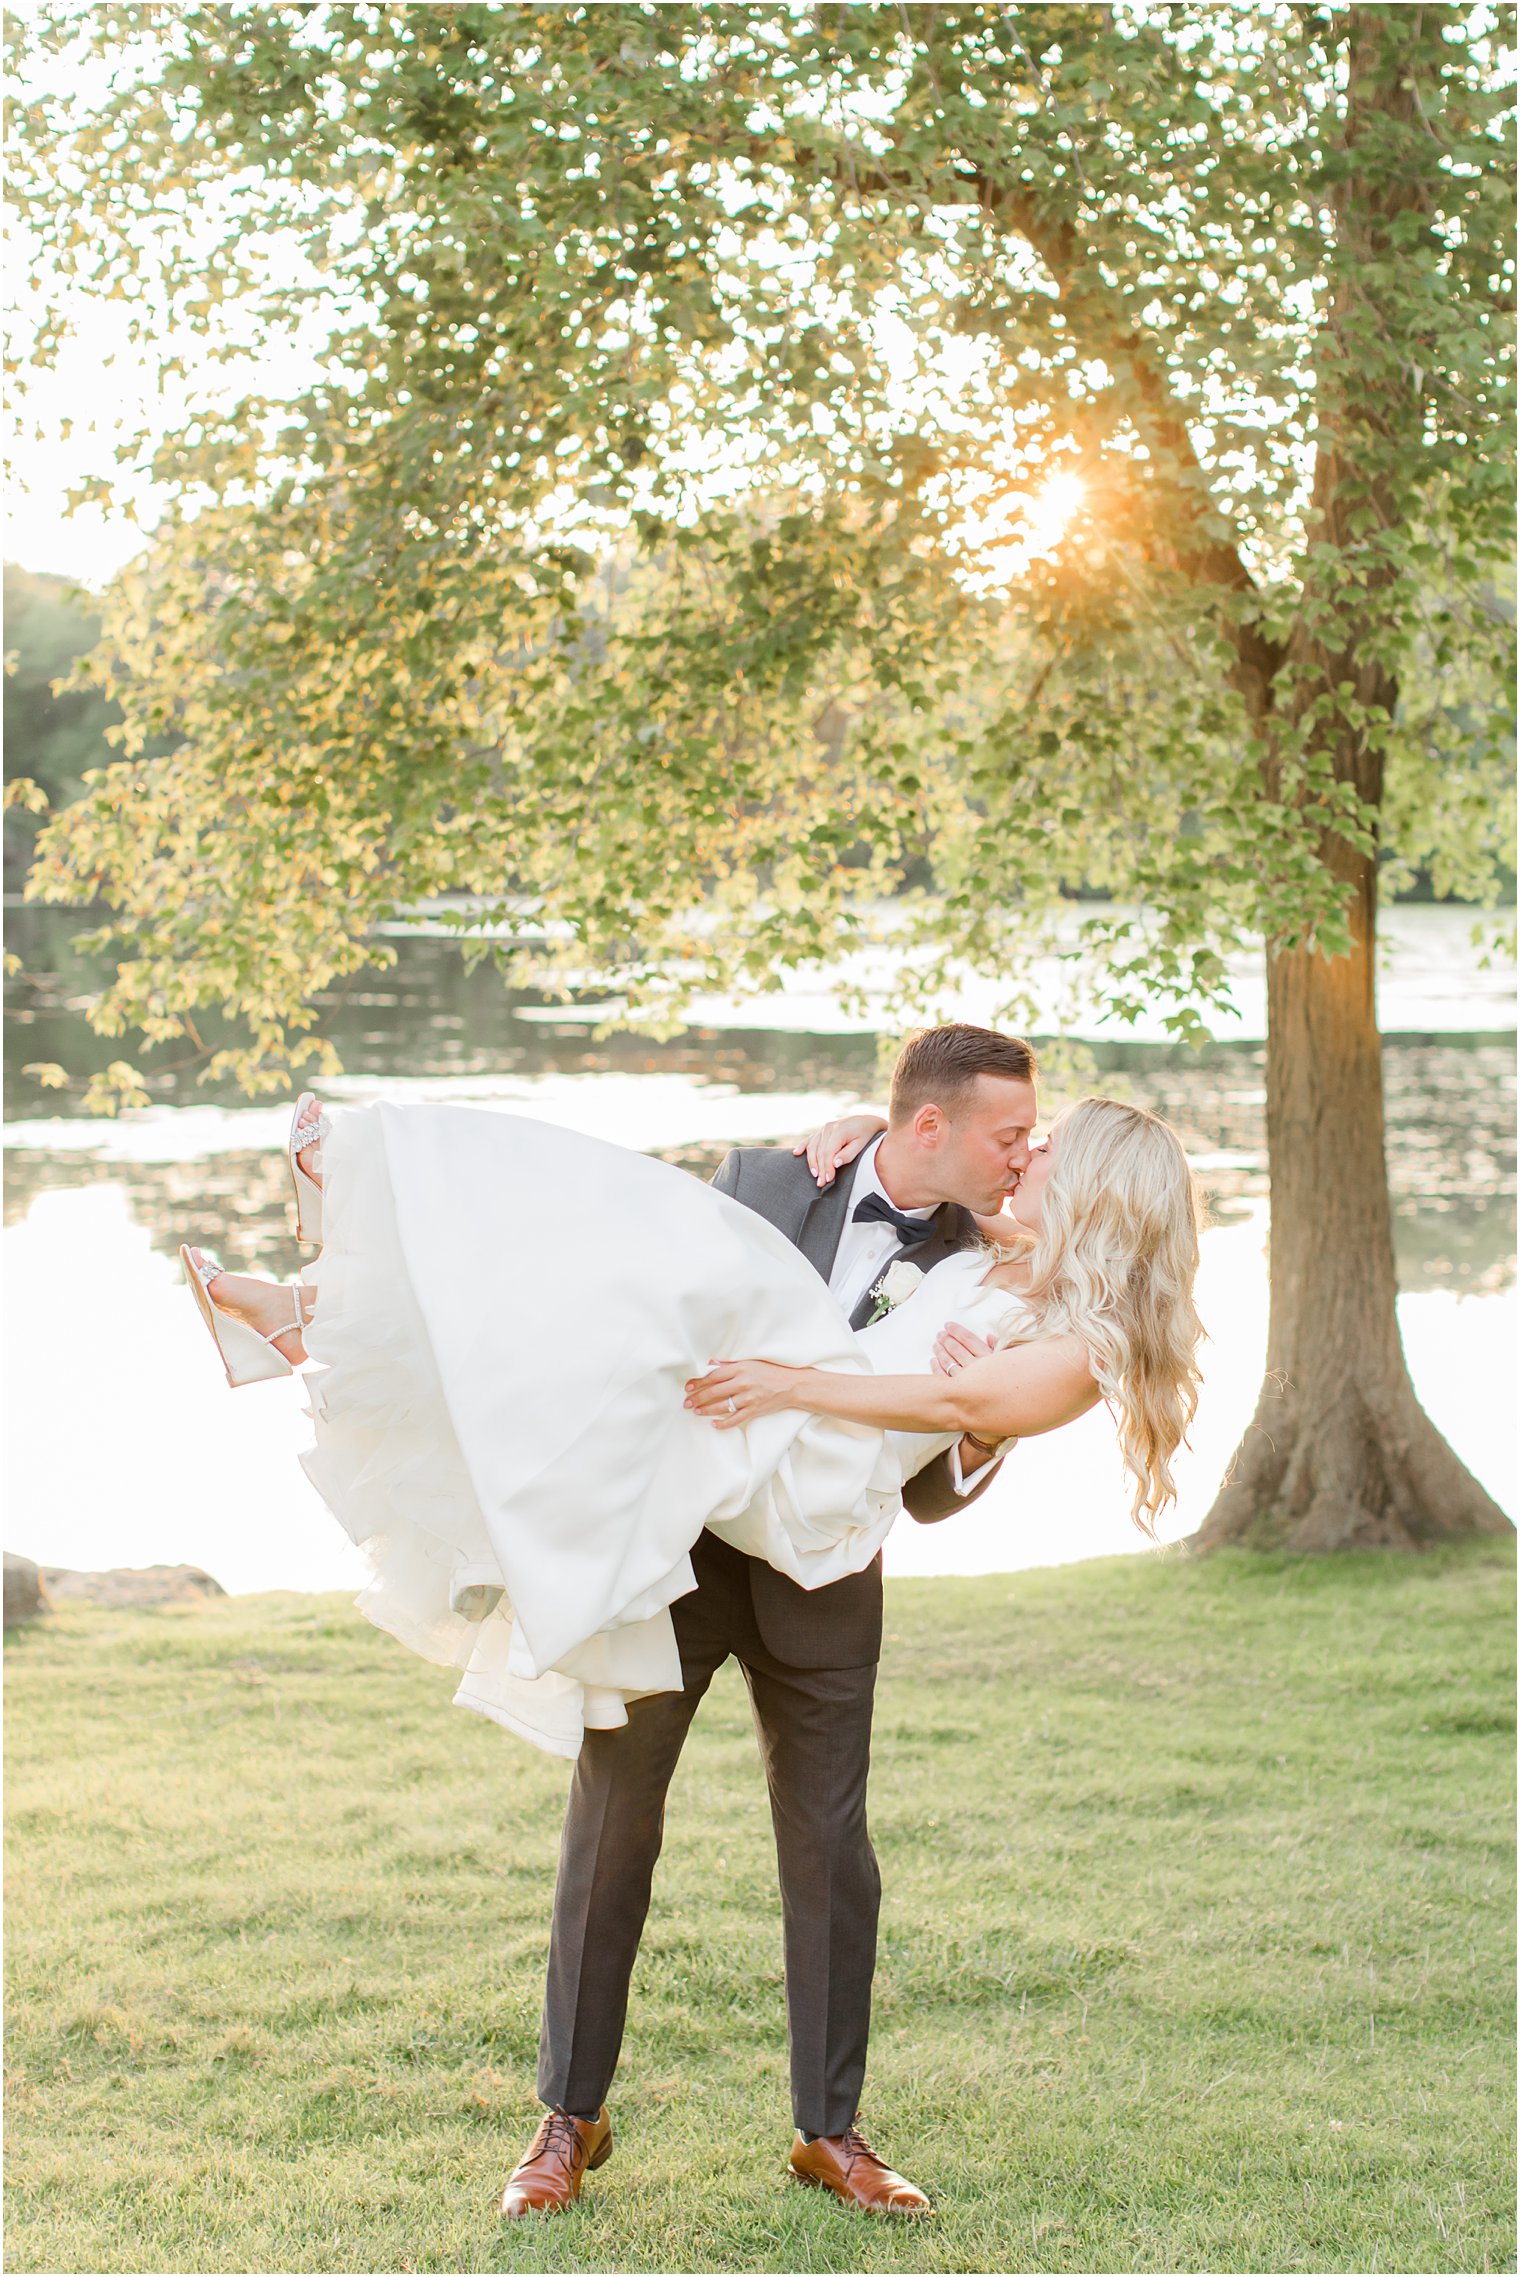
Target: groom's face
982, 1147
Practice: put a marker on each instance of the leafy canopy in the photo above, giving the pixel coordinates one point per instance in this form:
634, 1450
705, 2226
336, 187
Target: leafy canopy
52, 739
763, 457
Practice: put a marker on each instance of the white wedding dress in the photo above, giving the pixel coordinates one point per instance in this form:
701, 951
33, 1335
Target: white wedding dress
507, 1314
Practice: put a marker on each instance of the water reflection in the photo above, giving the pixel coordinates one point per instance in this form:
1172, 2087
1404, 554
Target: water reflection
126, 1449
1451, 1123
428, 1016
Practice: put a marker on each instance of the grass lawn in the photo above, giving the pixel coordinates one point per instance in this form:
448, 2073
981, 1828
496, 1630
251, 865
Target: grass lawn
1196, 1947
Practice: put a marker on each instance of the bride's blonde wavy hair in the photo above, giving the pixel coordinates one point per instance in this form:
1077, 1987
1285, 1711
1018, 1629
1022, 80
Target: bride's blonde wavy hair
1113, 1264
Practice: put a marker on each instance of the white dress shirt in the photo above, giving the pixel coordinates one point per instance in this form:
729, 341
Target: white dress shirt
864, 1249
862, 1253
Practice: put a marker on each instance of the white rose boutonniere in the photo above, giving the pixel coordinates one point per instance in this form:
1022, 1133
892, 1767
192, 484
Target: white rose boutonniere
898, 1281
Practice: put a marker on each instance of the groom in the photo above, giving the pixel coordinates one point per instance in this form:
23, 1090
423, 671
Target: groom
957, 1139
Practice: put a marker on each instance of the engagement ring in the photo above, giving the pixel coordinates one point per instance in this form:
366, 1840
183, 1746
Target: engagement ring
732, 1409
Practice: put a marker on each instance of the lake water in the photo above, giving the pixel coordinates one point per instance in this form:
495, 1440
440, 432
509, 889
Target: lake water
124, 1447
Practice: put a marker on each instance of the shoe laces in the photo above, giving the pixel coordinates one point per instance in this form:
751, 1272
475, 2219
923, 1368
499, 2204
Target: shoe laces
560, 2135
854, 2145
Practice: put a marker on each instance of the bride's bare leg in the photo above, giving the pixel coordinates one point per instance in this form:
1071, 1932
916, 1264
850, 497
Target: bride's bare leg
265, 1306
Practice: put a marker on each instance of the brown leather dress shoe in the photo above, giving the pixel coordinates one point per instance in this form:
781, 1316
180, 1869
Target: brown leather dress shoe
847, 2165
548, 2178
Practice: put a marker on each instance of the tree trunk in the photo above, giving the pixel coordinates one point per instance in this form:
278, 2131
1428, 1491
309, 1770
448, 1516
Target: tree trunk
1340, 1452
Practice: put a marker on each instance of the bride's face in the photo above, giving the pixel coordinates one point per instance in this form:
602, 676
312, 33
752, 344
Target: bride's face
1027, 1205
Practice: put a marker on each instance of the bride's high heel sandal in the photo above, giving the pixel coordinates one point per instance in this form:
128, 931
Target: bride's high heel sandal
248, 1357
308, 1127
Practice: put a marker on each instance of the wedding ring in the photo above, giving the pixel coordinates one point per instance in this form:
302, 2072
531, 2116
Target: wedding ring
732, 1409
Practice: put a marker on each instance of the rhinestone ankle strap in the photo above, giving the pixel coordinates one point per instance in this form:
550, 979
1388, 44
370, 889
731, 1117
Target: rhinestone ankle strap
310, 1133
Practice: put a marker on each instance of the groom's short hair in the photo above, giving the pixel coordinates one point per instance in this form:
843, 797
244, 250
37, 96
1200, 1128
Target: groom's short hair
942, 1064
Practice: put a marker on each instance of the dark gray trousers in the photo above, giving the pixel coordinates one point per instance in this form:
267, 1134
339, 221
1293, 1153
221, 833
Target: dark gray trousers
814, 1726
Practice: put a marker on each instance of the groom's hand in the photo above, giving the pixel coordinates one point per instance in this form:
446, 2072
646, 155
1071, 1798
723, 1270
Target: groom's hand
956, 1347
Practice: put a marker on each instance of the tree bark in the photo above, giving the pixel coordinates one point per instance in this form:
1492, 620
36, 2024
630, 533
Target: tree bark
1340, 1453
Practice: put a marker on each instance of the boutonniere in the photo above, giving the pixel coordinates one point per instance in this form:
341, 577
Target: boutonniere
898, 1281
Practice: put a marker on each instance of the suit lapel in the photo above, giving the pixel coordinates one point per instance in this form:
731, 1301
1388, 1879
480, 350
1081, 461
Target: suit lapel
823, 1221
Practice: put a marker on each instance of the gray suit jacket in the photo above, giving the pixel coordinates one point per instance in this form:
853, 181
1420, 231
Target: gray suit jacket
838, 1626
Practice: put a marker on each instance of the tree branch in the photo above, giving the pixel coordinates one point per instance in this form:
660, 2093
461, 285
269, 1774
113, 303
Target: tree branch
1115, 340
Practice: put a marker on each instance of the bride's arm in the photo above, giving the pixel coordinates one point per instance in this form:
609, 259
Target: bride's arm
1010, 1395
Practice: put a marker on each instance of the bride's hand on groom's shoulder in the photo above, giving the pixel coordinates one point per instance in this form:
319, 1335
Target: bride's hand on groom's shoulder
736, 1392
833, 1145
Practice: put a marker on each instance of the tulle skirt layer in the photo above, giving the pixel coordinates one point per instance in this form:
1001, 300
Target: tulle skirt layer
506, 1315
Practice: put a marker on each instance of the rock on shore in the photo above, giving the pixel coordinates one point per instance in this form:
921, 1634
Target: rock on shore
123, 1585
24, 1596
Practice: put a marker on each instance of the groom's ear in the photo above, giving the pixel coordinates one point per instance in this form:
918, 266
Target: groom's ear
930, 1124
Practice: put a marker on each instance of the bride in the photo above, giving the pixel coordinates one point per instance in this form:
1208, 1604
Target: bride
528, 1405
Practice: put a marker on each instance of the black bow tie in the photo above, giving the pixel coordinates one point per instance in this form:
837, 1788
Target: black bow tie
876, 1209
